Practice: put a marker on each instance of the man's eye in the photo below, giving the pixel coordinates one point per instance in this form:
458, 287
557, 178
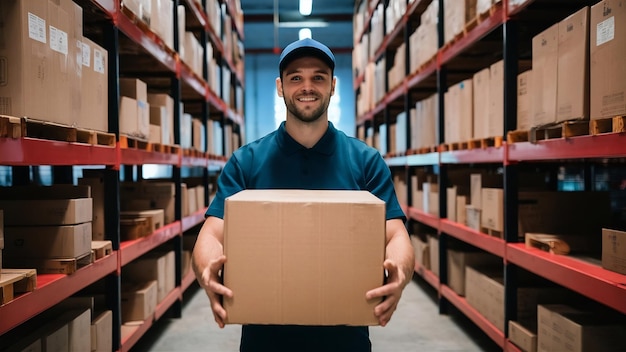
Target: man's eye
319, 78
295, 78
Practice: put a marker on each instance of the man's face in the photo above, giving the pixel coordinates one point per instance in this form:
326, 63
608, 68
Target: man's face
306, 86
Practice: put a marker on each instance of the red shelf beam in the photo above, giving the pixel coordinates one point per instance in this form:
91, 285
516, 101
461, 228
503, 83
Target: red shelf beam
487, 155
130, 339
421, 75
142, 157
491, 330
425, 218
194, 161
478, 239
194, 219
590, 280
131, 250
52, 289
510, 347
473, 36
428, 275
198, 12
110, 7
188, 280
31, 151
167, 302
515, 6
610, 145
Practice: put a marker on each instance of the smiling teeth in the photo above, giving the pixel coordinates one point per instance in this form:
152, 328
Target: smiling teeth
307, 99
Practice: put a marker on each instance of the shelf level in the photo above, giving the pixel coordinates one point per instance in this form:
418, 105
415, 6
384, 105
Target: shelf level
194, 219
609, 145
422, 159
478, 239
588, 279
167, 302
425, 218
491, 330
487, 155
52, 289
131, 250
143, 157
428, 275
32, 151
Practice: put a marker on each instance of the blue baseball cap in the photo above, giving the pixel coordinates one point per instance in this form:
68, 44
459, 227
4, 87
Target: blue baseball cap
306, 47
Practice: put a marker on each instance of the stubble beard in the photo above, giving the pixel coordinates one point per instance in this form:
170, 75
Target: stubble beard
306, 116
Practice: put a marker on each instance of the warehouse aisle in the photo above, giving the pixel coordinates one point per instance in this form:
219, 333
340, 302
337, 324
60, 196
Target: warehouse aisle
416, 326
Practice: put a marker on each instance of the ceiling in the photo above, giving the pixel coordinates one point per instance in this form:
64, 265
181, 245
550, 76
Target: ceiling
330, 22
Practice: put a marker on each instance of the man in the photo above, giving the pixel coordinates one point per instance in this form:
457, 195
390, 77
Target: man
305, 152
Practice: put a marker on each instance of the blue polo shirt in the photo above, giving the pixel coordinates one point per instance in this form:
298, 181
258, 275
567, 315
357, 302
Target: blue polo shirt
336, 162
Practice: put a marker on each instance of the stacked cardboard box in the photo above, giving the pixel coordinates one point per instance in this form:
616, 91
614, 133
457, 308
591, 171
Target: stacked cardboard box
60, 231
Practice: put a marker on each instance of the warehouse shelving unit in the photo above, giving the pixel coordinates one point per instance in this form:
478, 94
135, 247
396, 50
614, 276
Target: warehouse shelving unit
111, 26
501, 34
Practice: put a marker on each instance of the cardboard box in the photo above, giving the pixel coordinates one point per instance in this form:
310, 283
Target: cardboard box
69, 241
563, 328
607, 48
472, 217
167, 123
461, 212
139, 301
159, 267
59, 100
309, 242
492, 215
572, 98
481, 81
496, 99
26, 56
457, 262
523, 338
137, 126
102, 332
95, 100
79, 333
545, 70
95, 180
524, 100
149, 195
433, 251
49, 212
57, 339
155, 217
421, 252
614, 250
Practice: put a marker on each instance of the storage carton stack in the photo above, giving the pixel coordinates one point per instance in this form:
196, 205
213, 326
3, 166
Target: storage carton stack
456, 15
459, 259
614, 250
423, 42
565, 328
421, 251
58, 239
459, 113
524, 100
607, 48
45, 57
425, 115
139, 301
157, 266
312, 241
162, 114
95, 75
134, 108
149, 195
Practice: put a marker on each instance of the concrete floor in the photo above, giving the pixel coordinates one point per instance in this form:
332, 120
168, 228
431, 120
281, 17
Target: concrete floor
415, 326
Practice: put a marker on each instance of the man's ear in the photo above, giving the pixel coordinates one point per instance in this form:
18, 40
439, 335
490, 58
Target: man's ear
332, 89
279, 87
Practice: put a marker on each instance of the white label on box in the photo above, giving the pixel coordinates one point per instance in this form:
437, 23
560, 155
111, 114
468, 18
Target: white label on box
36, 28
86, 50
58, 40
98, 61
79, 53
605, 31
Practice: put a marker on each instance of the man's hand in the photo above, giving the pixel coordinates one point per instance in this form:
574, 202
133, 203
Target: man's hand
215, 290
391, 292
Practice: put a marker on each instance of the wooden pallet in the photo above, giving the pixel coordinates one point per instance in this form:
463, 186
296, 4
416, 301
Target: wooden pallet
492, 232
481, 143
128, 142
100, 249
18, 127
615, 124
564, 129
164, 148
15, 281
66, 266
517, 136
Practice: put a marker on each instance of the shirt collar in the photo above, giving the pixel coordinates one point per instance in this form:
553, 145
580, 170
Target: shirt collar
326, 145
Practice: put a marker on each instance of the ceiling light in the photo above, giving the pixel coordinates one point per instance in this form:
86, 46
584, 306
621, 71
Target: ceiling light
305, 33
306, 6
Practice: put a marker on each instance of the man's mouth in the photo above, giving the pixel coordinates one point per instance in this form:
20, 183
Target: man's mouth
307, 99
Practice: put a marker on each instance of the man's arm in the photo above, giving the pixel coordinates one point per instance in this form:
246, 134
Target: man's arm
207, 261
400, 264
